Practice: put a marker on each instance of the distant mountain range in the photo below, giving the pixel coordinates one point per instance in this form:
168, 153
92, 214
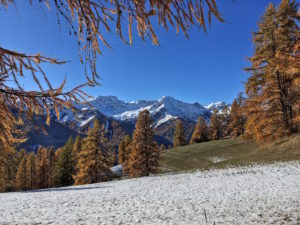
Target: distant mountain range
119, 118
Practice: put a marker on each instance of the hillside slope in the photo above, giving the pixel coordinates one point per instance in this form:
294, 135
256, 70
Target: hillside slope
233, 152
265, 194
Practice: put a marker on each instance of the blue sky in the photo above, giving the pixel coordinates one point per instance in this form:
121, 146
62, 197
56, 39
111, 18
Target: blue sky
204, 68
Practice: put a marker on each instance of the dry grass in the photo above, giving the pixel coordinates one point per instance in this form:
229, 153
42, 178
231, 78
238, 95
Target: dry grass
231, 152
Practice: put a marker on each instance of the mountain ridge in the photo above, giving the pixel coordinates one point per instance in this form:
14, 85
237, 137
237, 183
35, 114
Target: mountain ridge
164, 109
119, 119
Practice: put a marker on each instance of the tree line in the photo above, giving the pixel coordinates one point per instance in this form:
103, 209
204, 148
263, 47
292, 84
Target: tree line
83, 161
227, 123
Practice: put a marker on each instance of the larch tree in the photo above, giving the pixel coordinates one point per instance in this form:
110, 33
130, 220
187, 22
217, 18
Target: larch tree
43, 165
113, 159
76, 150
124, 152
201, 132
272, 100
64, 167
51, 158
237, 122
11, 167
3, 171
88, 21
215, 126
21, 177
225, 119
31, 172
293, 68
145, 153
93, 162
179, 139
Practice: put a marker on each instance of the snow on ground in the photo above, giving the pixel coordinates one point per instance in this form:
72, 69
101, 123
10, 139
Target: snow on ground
117, 169
216, 159
262, 194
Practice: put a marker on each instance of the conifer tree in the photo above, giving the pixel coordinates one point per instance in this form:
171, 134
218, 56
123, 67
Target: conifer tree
76, 150
93, 162
145, 153
21, 177
3, 172
113, 157
11, 168
43, 168
124, 152
215, 126
2, 179
20, 155
179, 139
237, 117
200, 133
225, 120
64, 167
51, 158
272, 99
31, 172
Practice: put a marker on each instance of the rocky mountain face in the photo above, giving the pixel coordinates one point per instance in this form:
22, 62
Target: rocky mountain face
119, 119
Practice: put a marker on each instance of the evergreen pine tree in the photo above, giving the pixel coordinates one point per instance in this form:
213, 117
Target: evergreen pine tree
64, 167
21, 177
179, 139
215, 126
31, 172
200, 133
93, 163
144, 155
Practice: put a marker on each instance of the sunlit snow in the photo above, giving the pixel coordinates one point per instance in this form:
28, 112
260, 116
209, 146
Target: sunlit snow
265, 194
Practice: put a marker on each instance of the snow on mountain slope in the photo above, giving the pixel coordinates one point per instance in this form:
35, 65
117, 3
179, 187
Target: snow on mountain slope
264, 194
162, 110
111, 105
215, 105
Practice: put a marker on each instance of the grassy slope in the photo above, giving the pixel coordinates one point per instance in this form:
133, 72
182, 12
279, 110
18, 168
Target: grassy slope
231, 152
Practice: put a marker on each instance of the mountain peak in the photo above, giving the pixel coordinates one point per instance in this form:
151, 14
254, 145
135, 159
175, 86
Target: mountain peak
162, 110
166, 98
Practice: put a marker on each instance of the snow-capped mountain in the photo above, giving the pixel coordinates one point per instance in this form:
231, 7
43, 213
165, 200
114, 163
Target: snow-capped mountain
165, 109
119, 118
216, 105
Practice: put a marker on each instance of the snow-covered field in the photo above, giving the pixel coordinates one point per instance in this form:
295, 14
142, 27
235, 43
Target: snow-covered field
265, 194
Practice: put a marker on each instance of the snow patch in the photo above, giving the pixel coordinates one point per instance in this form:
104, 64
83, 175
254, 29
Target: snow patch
85, 122
165, 119
117, 169
216, 159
